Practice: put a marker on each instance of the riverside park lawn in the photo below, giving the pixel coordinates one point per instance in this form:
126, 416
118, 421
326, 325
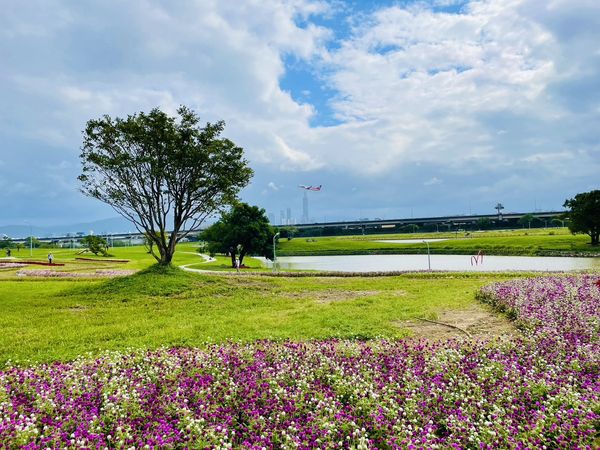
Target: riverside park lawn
45, 319
165, 358
525, 242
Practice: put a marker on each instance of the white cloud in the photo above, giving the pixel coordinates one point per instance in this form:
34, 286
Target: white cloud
432, 181
505, 85
548, 157
437, 74
223, 59
296, 159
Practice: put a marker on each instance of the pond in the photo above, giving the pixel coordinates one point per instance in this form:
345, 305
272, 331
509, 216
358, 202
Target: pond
377, 263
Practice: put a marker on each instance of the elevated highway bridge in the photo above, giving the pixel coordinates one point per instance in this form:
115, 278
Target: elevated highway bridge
444, 220
451, 222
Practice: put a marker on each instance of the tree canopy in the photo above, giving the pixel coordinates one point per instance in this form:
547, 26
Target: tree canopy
584, 214
5, 242
245, 230
484, 223
161, 172
95, 244
527, 219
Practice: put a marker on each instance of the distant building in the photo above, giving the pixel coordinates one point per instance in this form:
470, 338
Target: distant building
289, 217
305, 208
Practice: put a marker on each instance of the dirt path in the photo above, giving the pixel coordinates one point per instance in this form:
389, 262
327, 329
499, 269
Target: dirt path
479, 321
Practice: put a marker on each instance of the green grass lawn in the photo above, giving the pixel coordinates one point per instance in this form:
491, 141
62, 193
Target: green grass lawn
47, 319
514, 242
137, 256
59, 319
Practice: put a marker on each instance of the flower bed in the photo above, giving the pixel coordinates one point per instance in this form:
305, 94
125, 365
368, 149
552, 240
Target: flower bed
321, 394
10, 266
565, 308
542, 390
41, 263
59, 274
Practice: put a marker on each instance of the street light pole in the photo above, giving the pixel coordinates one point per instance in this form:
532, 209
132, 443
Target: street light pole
274, 252
428, 255
30, 238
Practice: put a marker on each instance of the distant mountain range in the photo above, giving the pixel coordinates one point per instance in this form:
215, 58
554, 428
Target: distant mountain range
104, 226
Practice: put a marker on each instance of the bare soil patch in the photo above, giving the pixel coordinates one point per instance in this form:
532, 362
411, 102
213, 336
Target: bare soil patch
479, 321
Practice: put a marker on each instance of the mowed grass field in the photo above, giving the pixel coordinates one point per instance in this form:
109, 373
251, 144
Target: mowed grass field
44, 319
526, 242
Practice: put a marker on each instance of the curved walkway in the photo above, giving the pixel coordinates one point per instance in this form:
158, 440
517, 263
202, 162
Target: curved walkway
206, 258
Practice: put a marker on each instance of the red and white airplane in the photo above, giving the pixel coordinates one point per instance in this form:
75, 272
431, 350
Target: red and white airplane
310, 188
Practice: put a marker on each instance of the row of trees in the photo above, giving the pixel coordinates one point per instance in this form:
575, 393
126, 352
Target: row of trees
168, 174
94, 244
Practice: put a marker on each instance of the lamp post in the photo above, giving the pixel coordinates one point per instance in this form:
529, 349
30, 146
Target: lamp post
30, 238
428, 255
274, 252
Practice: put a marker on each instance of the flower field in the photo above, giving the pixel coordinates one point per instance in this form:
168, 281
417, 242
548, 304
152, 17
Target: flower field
104, 273
562, 309
540, 391
11, 266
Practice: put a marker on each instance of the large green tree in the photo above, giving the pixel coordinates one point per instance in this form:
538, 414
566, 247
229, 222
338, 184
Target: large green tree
165, 174
584, 214
245, 230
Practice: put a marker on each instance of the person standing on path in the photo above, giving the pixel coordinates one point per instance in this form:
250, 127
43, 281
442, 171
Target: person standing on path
50, 258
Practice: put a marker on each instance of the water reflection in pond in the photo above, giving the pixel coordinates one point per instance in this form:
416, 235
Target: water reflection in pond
377, 263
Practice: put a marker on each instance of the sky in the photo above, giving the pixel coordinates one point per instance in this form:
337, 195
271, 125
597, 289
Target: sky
398, 108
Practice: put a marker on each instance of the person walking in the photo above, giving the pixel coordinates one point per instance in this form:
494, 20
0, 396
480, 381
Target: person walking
50, 258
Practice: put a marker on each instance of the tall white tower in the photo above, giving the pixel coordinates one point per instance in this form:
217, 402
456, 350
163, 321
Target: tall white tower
305, 208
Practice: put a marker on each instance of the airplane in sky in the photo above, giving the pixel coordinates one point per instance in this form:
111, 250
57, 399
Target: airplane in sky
310, 188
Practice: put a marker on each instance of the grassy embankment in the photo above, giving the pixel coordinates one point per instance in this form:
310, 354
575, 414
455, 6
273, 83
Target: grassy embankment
58, 319
534, 242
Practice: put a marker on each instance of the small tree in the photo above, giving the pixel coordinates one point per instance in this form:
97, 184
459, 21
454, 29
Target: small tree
484, 223
245, 230
162, 172
95, 244
5, 242
526, 220
32, 241
584, 214
287, 232
410, 228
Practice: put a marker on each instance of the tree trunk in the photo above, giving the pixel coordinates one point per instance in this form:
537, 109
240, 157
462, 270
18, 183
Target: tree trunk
165, 256
242, 254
